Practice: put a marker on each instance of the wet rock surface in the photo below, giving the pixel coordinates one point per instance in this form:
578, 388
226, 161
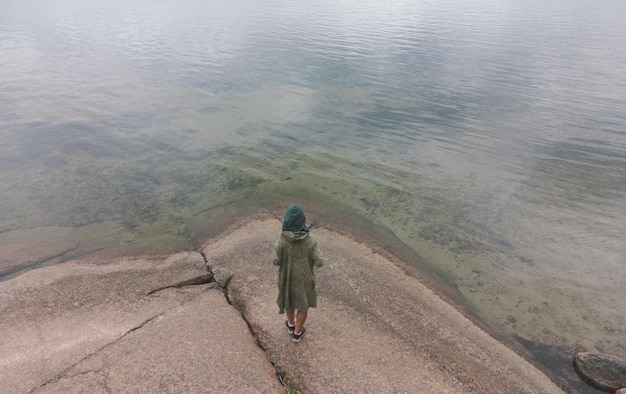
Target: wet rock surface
170, 324
602, 371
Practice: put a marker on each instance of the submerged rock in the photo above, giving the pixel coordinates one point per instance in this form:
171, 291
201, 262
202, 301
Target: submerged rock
602, 371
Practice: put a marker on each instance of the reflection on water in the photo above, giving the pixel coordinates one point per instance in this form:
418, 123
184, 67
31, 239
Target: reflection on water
488, 137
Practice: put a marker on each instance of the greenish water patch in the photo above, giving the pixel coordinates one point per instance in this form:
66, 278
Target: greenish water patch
377, 196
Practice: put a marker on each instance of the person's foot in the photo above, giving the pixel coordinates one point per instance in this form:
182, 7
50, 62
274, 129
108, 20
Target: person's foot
290, 328
298, 337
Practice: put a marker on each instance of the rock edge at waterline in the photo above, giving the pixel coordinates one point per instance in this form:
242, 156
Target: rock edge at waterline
164, 324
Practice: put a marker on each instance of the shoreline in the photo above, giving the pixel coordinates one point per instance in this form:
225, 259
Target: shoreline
251, 293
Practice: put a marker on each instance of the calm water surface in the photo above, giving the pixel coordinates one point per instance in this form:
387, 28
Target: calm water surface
488, 136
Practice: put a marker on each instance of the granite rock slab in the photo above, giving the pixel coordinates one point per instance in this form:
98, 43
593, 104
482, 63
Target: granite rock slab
377, 328
133, 324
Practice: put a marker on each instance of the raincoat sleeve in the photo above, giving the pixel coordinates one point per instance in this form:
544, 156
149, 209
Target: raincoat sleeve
277, 252
316, 256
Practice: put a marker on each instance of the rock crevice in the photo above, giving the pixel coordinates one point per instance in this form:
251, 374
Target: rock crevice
198, 280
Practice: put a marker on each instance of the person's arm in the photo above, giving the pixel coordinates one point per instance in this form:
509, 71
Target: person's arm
316, 256
277, 253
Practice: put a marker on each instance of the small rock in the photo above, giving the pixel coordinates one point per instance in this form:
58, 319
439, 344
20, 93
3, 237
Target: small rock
602, 371
621, 391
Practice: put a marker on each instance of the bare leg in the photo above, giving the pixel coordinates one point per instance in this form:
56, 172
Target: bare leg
290, 316
300, 321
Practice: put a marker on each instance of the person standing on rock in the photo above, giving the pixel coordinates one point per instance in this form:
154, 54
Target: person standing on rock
296, 253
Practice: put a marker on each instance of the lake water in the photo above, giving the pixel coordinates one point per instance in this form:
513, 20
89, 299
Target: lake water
489, 136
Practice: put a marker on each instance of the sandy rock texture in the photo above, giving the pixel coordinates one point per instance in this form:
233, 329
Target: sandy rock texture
208, 322
154, 324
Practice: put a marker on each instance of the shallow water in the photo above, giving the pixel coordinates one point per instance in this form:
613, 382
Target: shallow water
488, 136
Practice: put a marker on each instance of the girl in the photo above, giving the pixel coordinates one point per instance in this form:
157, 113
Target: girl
296, 253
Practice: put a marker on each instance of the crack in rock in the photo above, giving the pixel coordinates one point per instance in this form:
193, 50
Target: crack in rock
280, 374
64, 373
223, 287
208, 278
198, 280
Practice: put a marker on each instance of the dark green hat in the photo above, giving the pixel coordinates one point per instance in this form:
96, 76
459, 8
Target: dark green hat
294, 219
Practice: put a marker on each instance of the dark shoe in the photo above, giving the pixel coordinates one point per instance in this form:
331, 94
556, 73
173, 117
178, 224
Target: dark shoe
290, 329
296, 337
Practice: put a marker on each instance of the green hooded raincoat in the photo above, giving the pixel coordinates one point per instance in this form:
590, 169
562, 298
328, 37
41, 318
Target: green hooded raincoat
296, 253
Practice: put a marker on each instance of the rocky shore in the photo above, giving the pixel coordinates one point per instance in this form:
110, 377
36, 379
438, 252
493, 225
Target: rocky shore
206, 321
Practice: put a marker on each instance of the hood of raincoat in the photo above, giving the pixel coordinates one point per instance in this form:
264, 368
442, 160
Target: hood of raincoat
295, 236
294, 220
